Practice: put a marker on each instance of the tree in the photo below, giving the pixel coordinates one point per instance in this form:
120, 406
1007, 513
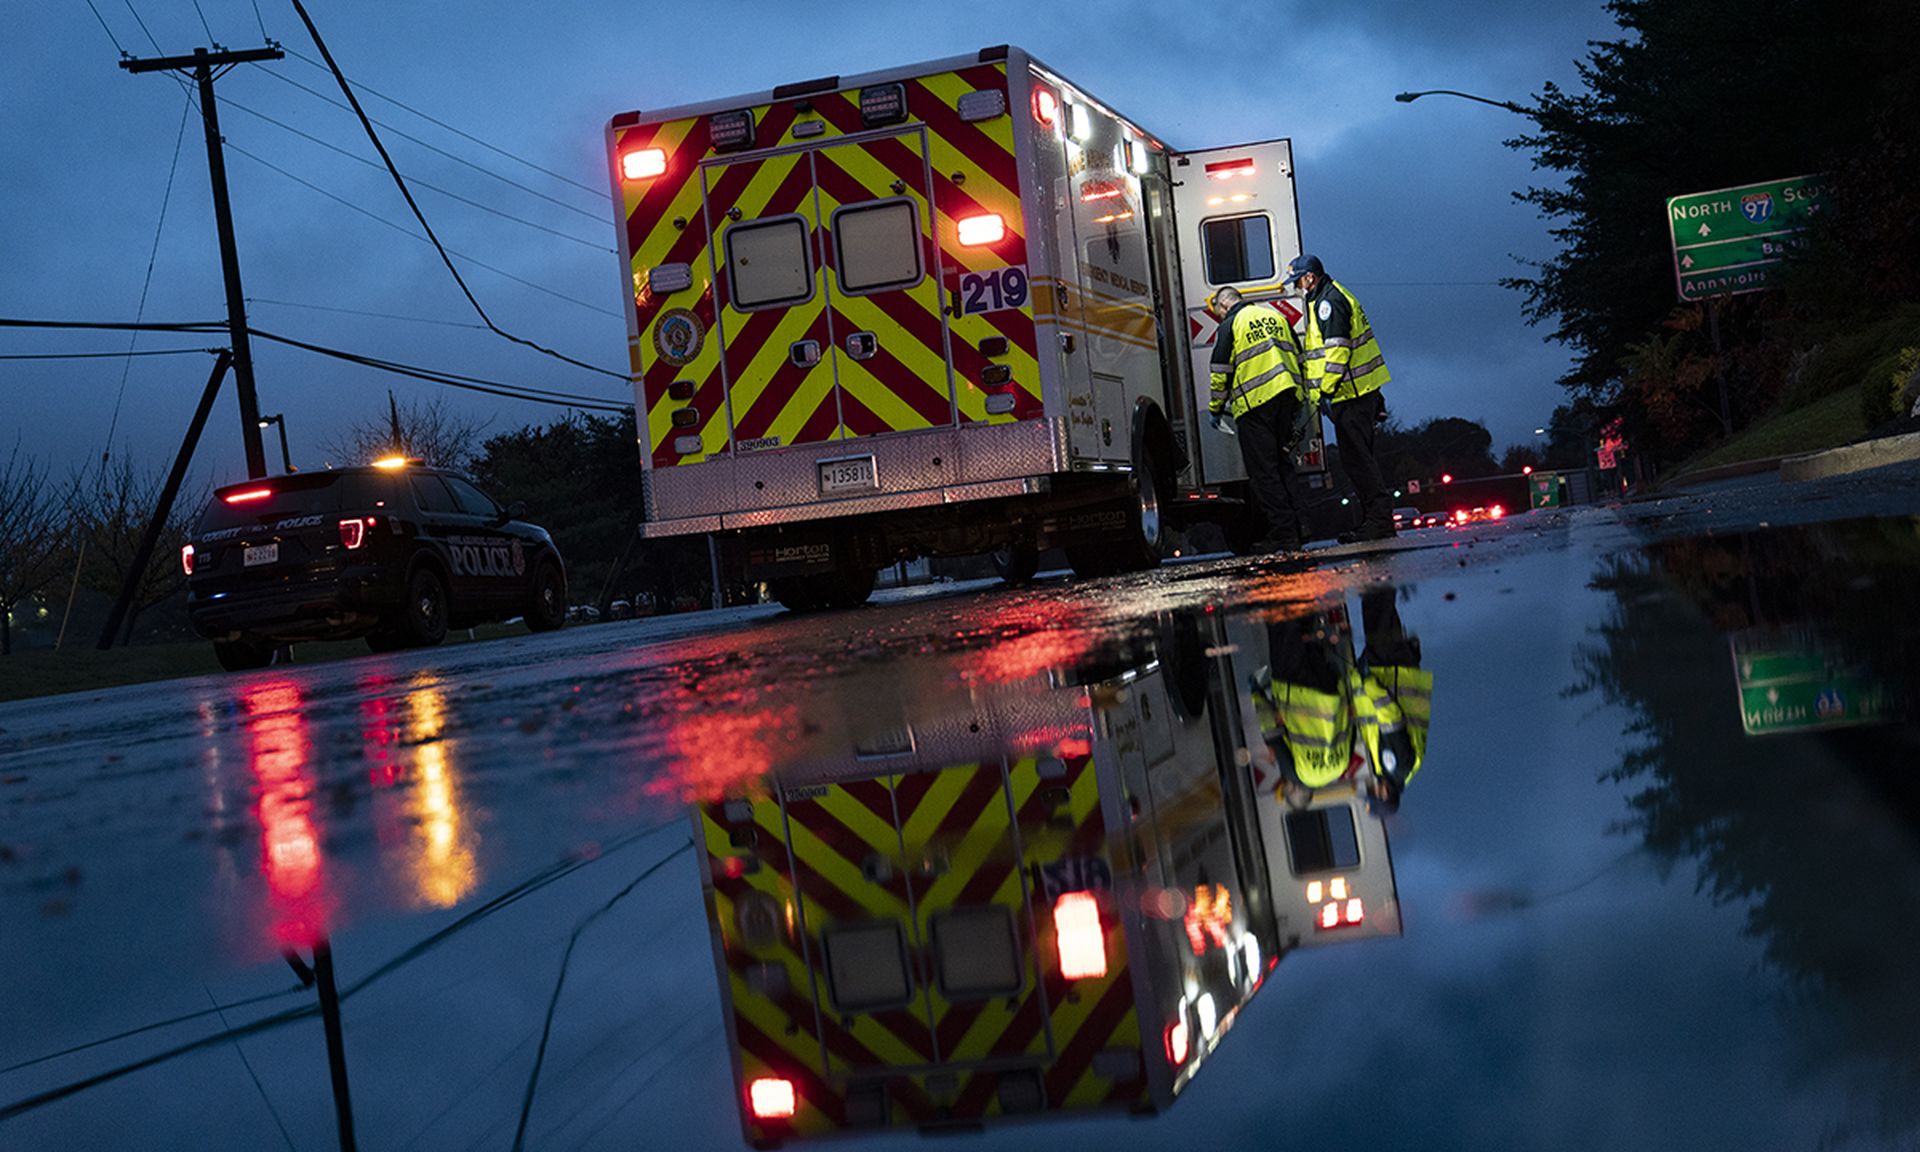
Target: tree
1519, 457
109, 516
32, 537
1445, 444
1701, 94
429, 431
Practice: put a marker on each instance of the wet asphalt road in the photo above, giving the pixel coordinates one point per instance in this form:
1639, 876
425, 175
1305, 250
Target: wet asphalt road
1612, 932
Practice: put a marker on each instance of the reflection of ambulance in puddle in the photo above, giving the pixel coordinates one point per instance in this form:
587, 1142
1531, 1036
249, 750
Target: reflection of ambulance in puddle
1048, 897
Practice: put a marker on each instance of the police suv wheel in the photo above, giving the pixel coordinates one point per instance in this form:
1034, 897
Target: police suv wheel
547, 603
423, 613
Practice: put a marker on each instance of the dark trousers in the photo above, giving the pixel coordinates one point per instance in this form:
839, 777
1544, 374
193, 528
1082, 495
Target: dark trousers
1264, 432
1354, 424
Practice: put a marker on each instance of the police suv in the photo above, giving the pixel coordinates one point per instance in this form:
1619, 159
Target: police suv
394, 551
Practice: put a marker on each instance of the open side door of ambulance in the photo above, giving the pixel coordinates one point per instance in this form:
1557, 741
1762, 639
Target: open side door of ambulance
1239, 226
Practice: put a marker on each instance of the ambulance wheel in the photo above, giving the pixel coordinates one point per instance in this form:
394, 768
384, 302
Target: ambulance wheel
244, 654
1145, 537
547, 604
422, 622
850, 587
1017, 563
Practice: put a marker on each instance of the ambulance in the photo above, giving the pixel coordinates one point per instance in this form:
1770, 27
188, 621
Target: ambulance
943, 906
954, 308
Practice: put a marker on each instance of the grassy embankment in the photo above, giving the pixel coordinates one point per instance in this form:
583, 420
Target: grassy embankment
80, 668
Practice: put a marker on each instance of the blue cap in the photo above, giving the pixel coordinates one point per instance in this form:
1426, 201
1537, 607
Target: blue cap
1301, 266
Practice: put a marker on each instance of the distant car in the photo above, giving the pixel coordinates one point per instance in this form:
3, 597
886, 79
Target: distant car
1410, 518
1476, 515
394, 551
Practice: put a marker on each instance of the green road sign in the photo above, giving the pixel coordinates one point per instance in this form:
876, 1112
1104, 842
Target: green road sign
1796, 683
1544, 491
1729, 241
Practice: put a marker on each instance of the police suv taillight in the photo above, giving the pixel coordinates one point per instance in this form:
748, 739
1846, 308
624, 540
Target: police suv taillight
186, 559
353, 533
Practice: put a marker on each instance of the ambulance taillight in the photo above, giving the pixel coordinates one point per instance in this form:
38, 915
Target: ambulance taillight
772, 1098
1081, 943
643, 163
987, 228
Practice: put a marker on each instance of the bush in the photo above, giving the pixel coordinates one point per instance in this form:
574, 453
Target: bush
1862, 355
1885, 396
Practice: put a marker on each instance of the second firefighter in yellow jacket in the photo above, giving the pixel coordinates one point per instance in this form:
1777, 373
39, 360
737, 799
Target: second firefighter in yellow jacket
1256, 379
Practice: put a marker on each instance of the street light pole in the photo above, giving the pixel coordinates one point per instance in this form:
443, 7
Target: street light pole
286, 460
1410, 97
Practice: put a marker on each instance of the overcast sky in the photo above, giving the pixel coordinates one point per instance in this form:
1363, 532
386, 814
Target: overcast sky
1409, 205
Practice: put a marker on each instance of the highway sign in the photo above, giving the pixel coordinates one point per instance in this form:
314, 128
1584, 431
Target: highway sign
1729, 241
1797, 683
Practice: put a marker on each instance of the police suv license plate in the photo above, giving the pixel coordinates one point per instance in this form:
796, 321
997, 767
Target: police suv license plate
856, 475
260, 554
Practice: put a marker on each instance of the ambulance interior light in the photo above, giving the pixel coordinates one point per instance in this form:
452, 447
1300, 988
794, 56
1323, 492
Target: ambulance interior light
643, 163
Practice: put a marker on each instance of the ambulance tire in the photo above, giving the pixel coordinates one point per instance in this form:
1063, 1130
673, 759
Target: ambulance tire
1145, 541
244, 654
422, 620
547, 602
850, 587
1017, 563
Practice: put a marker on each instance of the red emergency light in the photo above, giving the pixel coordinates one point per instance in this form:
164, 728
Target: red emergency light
772, 1098
1177, 1041
1228, 169
247, 495
1046, 106
1082, 945
643, 163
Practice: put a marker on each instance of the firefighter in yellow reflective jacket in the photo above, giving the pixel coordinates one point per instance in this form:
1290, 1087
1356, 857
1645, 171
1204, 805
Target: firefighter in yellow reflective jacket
1345, 369
1304, 702
1256, 379
1393, 699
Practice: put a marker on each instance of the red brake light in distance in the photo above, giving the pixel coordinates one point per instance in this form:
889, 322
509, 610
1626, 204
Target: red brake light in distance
643, 163
1082, 945
353, 533
1497, 511
985, 229
1446, 477
247, 495
186, 559
771, 1098
1046, 106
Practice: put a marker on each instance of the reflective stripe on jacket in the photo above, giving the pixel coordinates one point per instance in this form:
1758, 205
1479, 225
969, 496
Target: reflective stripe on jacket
1394, 707
1342, 358
1316, 726
1255, 360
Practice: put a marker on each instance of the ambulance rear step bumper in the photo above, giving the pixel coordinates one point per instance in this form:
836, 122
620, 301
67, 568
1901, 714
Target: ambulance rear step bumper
857, 506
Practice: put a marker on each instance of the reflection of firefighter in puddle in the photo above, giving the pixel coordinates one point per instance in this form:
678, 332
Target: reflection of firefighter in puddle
1393, 698
1325, 715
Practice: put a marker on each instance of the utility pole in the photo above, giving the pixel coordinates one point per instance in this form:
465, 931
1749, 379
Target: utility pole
202, 64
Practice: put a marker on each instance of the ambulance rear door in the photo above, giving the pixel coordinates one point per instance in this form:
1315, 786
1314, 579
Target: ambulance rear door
1238, 225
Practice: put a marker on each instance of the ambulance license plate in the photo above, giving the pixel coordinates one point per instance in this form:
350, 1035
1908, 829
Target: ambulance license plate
260, 554
848, 476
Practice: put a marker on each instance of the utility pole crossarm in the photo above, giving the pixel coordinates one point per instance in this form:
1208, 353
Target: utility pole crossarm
201, 57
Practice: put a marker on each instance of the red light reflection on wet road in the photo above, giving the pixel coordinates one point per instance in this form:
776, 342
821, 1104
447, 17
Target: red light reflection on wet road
277, 748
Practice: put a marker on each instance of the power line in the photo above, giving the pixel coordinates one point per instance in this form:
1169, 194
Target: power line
345, 203
146, 284
126, 355
116, 326
599, 192
458, 159
259, 21
131, 1032
242, 1052
144, 29
204, 27
251, 300
107, 30
599, 247
454, 380
400, 183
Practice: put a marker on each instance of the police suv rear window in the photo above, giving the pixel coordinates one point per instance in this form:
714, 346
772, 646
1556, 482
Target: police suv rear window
433, 495
472, 501
1237, 249
305, 494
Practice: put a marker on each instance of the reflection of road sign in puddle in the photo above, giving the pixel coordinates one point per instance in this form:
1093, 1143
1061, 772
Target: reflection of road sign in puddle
1794, 682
